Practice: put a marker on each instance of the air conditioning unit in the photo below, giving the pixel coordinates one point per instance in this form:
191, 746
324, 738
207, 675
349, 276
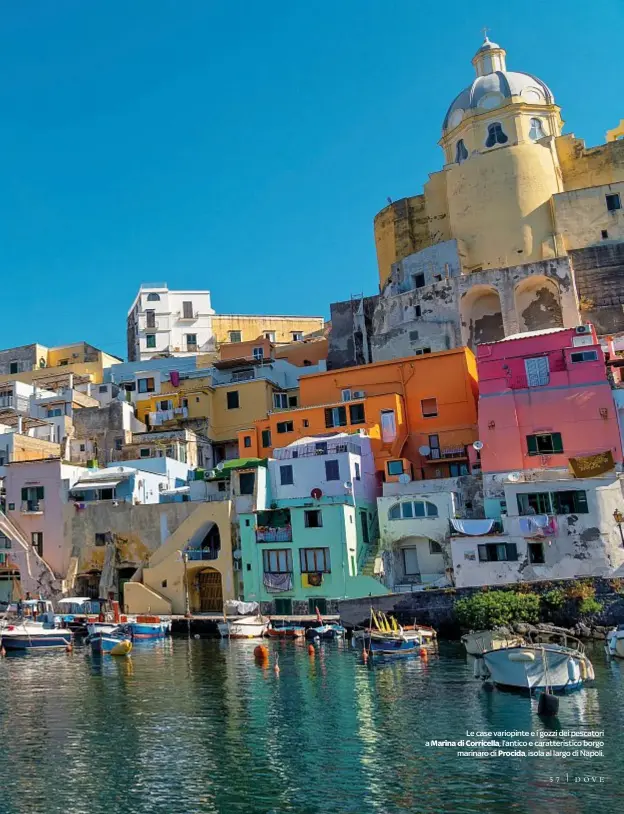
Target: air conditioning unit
358, 394
583, 329
346, 395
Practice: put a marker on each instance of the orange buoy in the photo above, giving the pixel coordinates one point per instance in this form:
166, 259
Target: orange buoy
69, 648
423, 653
261, 653
276, 668
2, 652
364, 655
311, 650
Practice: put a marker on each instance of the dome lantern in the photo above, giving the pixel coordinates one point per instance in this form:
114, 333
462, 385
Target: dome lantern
489, 58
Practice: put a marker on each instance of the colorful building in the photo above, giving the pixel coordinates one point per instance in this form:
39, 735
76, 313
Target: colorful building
312, 538
47, 367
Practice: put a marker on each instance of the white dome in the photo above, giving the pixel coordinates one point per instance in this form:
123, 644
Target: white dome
491, 88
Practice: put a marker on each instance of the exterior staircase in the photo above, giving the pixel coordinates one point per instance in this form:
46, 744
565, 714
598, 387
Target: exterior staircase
36, 576
367, 569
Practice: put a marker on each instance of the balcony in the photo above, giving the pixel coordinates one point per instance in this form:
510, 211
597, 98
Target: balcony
201, 554
448, 454
476, 527
266, 534
32, 507
318, 448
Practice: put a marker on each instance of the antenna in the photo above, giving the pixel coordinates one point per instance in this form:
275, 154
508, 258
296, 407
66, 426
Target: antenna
478, 445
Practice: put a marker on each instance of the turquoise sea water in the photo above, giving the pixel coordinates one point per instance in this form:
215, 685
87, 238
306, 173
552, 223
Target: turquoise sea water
197, 726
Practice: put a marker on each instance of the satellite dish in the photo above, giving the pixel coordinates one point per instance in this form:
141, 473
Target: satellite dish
347, 484
404, 478
237, 554
424, 450
514, 477
316, 493
478, 445
220, 466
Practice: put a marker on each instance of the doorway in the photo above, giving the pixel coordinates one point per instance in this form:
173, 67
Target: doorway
210, 591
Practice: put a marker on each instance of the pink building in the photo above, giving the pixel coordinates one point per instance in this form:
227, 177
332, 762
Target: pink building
544, 397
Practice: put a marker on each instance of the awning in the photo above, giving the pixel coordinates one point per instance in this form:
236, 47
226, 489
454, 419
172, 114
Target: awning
179, 490
89, 485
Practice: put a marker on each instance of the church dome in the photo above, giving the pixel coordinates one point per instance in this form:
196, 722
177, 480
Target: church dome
493, 85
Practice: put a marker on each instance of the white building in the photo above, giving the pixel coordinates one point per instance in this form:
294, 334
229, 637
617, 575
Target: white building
174, 322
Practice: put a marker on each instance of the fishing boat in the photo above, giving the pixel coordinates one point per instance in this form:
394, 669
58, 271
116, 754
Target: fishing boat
32, 636
149, 627
285, 631
112, 639
243, 627
77, 612
324, 630
547, 660
478, 641
386, 628
393, 646
615, 642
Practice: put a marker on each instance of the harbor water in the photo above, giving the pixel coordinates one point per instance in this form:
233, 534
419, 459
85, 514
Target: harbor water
197, 726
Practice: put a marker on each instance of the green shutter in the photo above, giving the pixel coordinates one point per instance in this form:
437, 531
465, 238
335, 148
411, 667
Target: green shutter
532, 444
329, 418
512, 552
39, 492
342, 416
24, 493
557, 442
581, 502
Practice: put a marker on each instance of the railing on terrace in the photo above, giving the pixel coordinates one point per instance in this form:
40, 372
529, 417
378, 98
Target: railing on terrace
274, 535
447, 452
203, 554
318, 448
217, 496
243, 375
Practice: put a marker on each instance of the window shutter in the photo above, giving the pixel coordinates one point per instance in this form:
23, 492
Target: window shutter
24, 493
483, 557
512, 552
329, 418
532, 444
557, 442
581, 502
39, 492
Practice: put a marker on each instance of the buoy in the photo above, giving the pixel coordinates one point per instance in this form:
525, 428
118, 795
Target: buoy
548, 705
69, 648
2, 652
423, 653
364, 655
261, 653
197, 636
276, 668
311, 650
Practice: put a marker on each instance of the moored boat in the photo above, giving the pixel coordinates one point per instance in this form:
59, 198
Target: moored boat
478, 641
615, 642
112, 639
326, 631
547, 660
149, 627
243, 627
34, 636
285, 631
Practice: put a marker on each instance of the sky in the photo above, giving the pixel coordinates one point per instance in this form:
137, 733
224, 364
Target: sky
241, 146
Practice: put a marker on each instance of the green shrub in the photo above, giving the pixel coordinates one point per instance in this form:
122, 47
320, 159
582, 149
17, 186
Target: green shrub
590, 605
494, 608
555, 598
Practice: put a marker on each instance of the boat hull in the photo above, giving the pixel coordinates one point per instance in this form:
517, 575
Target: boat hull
243, 628
480, 641
536, 668
325, 632
615, 643
102, 644
285, 632
149, 630
393, 647
24, 641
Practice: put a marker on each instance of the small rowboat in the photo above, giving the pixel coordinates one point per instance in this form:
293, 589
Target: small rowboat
149, 627
115, 642
285, 632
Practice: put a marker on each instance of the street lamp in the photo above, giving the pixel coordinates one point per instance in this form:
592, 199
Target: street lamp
619, 519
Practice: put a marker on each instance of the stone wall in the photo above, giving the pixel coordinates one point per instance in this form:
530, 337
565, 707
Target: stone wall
351, 332
102, 426
599, 276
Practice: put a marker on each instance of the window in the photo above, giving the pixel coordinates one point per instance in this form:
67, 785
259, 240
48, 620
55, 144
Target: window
103, 388
546, 444
429, 408
419, 280
297, 336
247, 441
536, 129
570, 502
498, 552
37, 542
14, 367
83, 447
191, 341
292, 401
395, 467
286, 475
320, 448
604, 234
455, 470
358, 474
118, 444
417, 311
317, 603
54, 411
284, 426
150, 319
356, 414
63, 362
332, 470
221, 486
421, 351
413, 335
461, 153
187, 310
434, 548
336, 417
536, 553
613, 202
266, 438
313, 519
233, 401
153, 297
495, 135
145, 385
410, 562
235, 336
280, 401
165, 404
364, 523
100, 539
31, 495
434, 446
314, 560
306, 423
537, 371
258, 353
144, 452
584, 356
247, 481
410, 509
388, 426
277, 561
270, 335
150, 340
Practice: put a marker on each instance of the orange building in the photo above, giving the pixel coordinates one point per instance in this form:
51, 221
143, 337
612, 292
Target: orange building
420, 412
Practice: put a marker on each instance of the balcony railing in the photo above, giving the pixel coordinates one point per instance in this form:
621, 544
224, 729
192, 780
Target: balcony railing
446, 453
32, 507
186, 317
274, 535
243, 375
318, 448
203, 554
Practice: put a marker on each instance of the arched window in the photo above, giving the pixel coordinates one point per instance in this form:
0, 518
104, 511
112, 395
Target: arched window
537, 129
410, 509
495, 135
395, 512
153, 297
461, 153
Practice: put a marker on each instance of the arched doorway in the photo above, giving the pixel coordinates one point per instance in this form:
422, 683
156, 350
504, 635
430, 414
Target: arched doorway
210, 591
538, 303
481, 316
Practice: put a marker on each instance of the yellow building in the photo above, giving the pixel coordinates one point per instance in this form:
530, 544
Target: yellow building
514, 195
277, 329
43, 365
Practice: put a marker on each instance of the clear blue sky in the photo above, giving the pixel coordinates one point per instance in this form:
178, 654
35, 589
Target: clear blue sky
241, 145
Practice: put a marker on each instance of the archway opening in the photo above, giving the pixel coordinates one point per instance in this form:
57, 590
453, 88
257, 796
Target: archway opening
481, 316
538, 303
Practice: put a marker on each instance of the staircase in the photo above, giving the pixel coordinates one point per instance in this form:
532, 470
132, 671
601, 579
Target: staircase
371, 554
36, 576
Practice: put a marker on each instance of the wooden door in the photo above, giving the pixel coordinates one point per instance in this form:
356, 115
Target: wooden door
210, 592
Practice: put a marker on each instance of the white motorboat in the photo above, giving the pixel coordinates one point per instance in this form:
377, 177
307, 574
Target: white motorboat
547, 660
243, 627
30, 636
615, 642
478, 641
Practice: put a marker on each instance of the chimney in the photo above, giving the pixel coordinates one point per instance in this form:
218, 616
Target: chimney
20, 425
